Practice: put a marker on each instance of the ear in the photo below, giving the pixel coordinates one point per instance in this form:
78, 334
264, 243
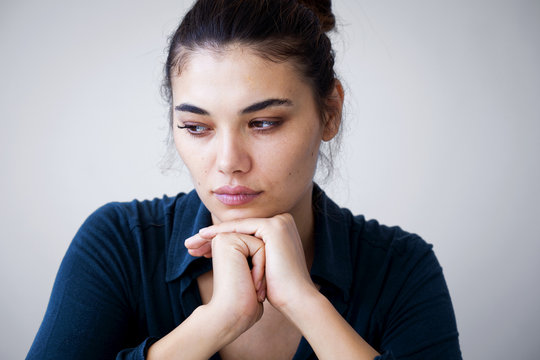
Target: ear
334, 106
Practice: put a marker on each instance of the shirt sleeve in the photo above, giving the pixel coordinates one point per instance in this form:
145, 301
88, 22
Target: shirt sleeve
420, 323
91, 310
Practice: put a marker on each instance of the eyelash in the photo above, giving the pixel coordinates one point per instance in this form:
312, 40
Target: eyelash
271, 124
191, 129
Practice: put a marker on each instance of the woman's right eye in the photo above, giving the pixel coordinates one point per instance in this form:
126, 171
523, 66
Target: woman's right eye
195, 129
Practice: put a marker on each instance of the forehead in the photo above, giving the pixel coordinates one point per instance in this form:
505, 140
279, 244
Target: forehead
236, 70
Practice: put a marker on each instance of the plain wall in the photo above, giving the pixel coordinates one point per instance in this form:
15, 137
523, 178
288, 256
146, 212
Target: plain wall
441, 137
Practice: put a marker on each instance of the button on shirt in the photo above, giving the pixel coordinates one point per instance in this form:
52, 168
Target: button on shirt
127, 280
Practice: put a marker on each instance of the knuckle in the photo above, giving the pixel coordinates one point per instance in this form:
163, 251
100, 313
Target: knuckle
283, 220
233, 226
217, 237
275, 221
288, 217
230, 241
220, 238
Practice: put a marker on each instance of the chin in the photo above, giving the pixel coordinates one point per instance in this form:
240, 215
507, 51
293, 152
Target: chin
222, 213
237, 214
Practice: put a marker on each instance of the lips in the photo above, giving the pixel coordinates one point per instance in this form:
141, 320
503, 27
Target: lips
235, 195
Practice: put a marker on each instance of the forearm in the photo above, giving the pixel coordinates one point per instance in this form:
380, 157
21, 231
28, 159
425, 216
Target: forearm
330, 336
198, 337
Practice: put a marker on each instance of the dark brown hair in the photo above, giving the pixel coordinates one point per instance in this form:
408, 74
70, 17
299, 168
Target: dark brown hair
278, 30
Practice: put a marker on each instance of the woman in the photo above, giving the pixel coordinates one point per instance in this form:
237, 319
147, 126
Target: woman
253, 94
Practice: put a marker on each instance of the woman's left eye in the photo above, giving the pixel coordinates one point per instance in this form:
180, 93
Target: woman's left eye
264, 124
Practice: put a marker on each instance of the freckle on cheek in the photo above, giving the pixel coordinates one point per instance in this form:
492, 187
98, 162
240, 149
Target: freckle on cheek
290, 173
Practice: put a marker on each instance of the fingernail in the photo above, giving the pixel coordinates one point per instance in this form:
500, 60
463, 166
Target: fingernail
205, 231
188, 241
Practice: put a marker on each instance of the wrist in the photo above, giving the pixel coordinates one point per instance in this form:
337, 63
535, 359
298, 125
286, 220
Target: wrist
232, 321
204, 327
222, 327
301, 305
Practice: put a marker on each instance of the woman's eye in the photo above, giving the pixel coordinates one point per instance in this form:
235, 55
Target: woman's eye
194, 129
264, 124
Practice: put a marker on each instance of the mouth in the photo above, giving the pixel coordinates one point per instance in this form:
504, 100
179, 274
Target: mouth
235, 195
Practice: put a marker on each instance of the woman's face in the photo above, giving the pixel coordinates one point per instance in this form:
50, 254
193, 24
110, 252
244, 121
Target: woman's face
249, 131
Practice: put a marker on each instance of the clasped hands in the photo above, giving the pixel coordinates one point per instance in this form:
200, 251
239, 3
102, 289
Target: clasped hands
279, 272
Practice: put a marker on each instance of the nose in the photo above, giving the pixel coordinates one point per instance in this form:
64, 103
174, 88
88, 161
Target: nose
233, 154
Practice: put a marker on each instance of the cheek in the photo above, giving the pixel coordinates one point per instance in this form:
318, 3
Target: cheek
193, 159
293, 159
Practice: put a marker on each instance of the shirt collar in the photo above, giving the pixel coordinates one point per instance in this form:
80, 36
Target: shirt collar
332, 261
190, 215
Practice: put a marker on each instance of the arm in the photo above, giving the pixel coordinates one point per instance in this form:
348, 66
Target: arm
90, 314
204, 327
330, 336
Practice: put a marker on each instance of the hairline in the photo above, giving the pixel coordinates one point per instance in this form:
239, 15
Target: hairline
181, 61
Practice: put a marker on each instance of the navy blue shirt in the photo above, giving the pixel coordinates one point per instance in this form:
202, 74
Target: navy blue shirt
127, 280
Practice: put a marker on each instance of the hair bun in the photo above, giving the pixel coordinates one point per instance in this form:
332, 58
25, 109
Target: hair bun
323, 10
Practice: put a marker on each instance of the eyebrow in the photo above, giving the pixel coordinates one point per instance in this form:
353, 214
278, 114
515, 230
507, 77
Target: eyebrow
265, 104
191, 108
251, 108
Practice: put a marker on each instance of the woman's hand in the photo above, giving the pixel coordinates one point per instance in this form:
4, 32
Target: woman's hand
236, 302
286, 273
238, 292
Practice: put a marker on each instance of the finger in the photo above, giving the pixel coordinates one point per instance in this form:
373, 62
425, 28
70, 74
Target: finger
195, 242
261, 296
204, 250
254, 248
251, 226
258, 260
232, 248
261, 292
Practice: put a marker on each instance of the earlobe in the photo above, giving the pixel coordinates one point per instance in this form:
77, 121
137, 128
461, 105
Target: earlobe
334, 105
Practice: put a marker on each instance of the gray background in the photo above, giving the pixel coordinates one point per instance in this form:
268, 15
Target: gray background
442, 137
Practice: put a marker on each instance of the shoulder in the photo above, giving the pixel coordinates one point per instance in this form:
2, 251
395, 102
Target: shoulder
387, 240
399, 296
396, 262
136, 213
125, 231
400, 278
371, 247
369, 243
120, 238
391, 259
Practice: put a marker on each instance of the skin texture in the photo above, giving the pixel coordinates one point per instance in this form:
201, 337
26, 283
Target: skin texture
273, 151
